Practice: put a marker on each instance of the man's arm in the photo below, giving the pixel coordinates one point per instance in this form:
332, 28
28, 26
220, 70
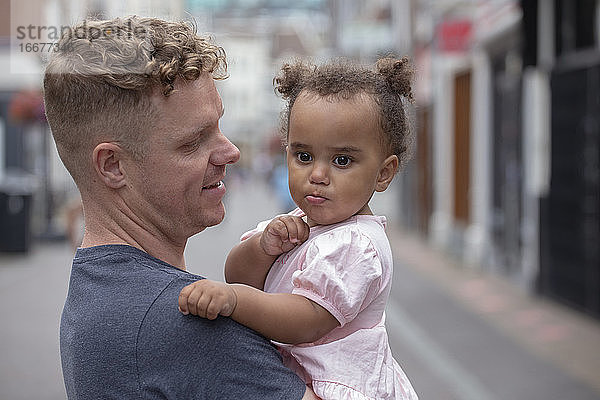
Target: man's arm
283, 317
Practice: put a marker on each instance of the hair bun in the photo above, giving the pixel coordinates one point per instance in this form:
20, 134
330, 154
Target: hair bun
398, 74
290, 78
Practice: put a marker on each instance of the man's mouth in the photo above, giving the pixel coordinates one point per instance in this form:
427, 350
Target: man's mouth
213, 186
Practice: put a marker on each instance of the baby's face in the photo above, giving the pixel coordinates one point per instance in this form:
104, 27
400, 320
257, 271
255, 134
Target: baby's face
334, 156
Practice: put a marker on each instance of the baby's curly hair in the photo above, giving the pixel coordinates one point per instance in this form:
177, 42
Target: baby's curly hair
388, 85
98, 85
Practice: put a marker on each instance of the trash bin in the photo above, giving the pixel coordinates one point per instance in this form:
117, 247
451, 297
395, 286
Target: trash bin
16, 193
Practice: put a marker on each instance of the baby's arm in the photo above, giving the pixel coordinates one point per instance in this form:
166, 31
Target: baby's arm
250, 261
283, 317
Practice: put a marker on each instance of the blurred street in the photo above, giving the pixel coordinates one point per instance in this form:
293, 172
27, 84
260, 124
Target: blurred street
496, 290
459, 334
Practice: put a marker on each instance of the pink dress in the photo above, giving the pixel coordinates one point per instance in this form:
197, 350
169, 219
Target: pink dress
347, 269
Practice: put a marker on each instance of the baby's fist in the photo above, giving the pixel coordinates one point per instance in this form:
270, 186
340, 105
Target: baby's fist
284, 233
207, 299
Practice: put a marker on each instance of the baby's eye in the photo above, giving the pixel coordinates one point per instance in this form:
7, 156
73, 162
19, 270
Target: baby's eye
342, 161
303, 156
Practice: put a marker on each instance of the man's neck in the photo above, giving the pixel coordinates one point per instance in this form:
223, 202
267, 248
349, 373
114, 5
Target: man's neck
103, 231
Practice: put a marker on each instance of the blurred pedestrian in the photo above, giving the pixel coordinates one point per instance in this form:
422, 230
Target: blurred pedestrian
279, 184
135, 116
326, 267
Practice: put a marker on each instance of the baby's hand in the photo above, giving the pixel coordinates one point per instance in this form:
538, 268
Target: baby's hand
207, 299
283, 234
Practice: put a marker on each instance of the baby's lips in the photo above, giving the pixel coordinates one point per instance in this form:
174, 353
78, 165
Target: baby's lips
315, 200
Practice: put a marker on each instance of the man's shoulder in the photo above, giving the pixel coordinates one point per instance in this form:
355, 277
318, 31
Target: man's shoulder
136, 324
186, 354
163, 318
127, 261
125, 284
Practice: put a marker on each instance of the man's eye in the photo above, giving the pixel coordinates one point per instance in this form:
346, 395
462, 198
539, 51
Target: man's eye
193, 145
304, 157
342, 161
190, 147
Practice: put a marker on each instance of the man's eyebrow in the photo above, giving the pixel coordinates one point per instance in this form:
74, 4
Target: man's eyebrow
197, 130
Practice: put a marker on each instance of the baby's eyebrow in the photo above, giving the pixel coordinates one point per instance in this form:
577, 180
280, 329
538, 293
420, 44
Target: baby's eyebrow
299, 146
337, 149
346, 149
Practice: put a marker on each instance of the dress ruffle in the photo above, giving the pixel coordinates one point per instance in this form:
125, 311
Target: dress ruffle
334, 390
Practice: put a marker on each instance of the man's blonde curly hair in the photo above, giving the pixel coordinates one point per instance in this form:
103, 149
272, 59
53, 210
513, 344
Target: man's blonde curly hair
98, 85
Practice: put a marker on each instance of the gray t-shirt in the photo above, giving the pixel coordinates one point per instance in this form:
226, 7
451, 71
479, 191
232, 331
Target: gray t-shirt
122, 337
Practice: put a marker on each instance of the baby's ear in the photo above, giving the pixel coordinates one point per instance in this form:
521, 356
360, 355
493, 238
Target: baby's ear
386, 173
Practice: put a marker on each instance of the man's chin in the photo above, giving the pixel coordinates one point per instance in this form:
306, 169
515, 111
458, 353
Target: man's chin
212, 220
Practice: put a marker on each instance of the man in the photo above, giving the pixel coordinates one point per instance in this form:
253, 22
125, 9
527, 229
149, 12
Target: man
135, 114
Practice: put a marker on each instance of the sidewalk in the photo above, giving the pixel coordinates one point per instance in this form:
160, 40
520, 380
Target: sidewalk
560, 337
33, 288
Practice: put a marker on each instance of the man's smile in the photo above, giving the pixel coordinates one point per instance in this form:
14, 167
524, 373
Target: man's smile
213, 186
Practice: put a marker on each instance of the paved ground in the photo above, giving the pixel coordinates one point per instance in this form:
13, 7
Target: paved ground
459, 335
467, 335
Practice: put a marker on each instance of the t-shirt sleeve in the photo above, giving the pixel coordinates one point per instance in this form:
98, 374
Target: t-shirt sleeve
188, 357
341, 272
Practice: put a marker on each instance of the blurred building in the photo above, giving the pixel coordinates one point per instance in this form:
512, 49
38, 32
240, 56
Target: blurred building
505, 173
34, 185
366, 29
23, 161
506, 170
567, 52
258, 36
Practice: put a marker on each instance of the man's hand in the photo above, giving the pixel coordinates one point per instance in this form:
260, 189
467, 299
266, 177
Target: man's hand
283, 234
207, 299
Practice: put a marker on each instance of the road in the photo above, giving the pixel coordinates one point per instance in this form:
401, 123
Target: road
458, 335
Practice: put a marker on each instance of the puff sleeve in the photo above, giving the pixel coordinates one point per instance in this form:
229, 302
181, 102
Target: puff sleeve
341, 272
259, 228
263, 224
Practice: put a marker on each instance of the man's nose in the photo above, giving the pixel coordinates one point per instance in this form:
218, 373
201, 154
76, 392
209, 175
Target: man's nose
226, 152
319, 173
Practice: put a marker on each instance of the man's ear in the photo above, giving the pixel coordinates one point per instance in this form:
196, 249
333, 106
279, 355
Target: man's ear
386, 173
108, 164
